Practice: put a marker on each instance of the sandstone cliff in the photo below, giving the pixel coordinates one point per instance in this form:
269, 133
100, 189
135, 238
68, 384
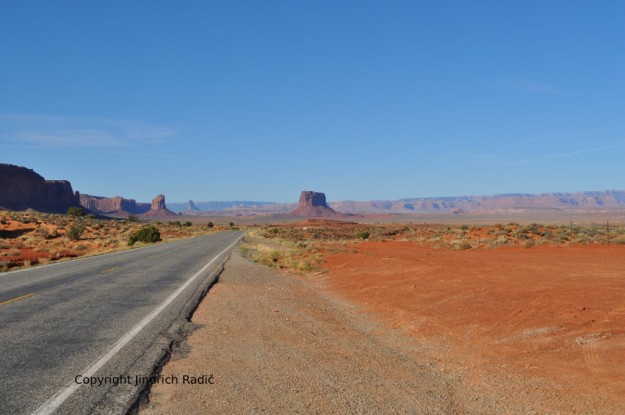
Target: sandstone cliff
22, 188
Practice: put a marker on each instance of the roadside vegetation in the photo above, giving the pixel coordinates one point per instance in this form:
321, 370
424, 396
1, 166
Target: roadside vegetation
301, 247
149, 234
29, 239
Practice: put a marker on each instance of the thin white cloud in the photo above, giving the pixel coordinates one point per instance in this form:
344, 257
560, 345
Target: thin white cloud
78, 138
584, 151
54, 131
147, 155
527, 86
501, 161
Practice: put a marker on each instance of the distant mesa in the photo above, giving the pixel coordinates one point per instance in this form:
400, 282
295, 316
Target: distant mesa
118, 206
313, 204
21, 189
113, 205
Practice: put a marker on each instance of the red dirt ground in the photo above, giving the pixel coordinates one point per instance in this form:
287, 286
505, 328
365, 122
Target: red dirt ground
545, 312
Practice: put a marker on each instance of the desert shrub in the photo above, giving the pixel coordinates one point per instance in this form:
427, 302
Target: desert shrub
232, 224
75, 211
210, 224
43, 233
74, 232
187, 223
148, 234
91, 215
132, 218
500, 241
363, 235
581, 239
175, 223
461, 245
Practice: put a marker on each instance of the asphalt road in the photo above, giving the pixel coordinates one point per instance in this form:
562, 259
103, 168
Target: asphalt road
111, 315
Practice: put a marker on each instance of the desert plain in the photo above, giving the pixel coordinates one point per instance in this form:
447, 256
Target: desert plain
506, 318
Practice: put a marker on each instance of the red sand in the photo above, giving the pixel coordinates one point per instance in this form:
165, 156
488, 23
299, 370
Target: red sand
554, 312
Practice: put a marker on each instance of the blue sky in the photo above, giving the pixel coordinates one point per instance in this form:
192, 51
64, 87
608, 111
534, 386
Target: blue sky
257, 100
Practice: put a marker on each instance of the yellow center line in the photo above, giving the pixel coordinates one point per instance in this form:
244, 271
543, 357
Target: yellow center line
17, 298
109, 270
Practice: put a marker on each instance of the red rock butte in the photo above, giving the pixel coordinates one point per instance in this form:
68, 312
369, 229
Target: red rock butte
158, 208
313, 204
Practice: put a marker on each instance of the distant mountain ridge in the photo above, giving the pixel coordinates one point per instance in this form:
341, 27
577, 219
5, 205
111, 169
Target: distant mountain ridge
590, 201
595, 200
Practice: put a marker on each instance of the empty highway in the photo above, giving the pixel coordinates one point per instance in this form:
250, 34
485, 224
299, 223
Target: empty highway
104, 317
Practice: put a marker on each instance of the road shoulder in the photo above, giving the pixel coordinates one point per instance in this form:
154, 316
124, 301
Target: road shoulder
276, 343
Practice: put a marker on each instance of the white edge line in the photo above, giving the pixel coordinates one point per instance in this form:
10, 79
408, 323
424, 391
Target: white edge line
61, 396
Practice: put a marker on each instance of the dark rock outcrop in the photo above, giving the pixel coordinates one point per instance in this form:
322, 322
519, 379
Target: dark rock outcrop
22, 188
313, 204
158, 208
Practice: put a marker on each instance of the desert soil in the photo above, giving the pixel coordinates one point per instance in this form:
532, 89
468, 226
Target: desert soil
538, 330
400, 328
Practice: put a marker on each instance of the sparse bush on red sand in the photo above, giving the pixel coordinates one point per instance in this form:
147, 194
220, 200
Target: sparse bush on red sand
28, 239
74, 232
149, 234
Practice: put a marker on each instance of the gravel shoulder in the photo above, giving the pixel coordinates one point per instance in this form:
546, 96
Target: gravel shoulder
277, 343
